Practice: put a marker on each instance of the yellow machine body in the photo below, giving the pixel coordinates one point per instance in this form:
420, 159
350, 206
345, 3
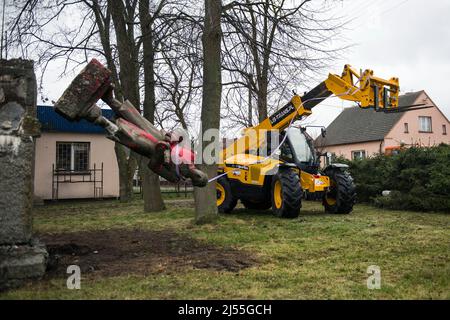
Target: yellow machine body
248, 170
252, 170
369, 91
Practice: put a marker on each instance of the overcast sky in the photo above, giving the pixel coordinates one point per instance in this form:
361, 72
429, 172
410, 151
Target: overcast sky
408, 39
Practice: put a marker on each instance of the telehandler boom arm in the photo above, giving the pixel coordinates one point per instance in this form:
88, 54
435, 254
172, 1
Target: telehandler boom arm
369, 91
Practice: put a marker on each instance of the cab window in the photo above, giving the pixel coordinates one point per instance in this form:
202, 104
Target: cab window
300, 146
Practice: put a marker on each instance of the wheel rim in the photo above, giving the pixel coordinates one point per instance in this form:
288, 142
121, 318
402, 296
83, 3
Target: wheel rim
330, 196
220, 190
277, 195
330, 200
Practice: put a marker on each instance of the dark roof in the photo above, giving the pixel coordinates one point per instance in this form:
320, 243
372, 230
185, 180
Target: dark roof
53, 122
355, 125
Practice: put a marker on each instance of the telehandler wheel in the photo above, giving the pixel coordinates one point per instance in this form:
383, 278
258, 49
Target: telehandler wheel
225, 199
286, 194
342, 195
257, 205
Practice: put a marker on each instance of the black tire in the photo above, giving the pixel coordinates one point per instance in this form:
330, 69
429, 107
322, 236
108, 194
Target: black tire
256, 205
291, 194
229, 201
341, 197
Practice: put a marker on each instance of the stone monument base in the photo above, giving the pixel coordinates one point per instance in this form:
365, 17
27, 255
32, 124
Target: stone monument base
21, 257
20, 263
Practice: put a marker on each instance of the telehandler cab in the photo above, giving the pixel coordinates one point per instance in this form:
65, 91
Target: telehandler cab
250, 172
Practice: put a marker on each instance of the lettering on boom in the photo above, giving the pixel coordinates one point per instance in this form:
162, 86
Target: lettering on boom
237, 166
278, 116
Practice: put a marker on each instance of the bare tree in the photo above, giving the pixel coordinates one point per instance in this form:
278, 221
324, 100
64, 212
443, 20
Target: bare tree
179, 76
285, 42
205, 199
150, 181
40, 31
127, 50
109, 30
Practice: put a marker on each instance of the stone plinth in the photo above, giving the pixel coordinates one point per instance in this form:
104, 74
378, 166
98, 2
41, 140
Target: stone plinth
21, 257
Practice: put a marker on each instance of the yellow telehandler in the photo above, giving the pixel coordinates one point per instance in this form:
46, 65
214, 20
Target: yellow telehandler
265, 175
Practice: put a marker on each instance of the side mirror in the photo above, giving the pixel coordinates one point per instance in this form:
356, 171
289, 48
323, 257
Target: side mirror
323, 132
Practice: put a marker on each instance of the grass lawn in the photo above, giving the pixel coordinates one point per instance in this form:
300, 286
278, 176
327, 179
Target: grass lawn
247, 254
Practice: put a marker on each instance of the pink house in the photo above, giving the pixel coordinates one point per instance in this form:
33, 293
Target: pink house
358, 133
73, 159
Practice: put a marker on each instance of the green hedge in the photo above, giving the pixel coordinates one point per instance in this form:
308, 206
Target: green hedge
419, 179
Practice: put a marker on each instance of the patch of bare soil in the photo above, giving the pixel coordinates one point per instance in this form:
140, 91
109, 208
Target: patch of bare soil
119, 252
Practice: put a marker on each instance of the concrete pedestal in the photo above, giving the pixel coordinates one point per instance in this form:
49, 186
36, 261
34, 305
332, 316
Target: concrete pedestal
21, 257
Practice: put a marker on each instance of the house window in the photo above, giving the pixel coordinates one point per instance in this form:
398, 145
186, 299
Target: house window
444, 129
358, 155
72, 156
424, 124
406, 127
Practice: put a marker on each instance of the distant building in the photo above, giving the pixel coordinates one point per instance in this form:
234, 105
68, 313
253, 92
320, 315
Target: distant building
74, 159
358, 133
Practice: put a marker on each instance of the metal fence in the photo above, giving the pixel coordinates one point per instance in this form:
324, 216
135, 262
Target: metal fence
183, 189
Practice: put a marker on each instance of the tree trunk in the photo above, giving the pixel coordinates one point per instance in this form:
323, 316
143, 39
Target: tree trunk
153, 201
205, 198
127, 52
127, 166
129, 80
250, 107
262, 100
